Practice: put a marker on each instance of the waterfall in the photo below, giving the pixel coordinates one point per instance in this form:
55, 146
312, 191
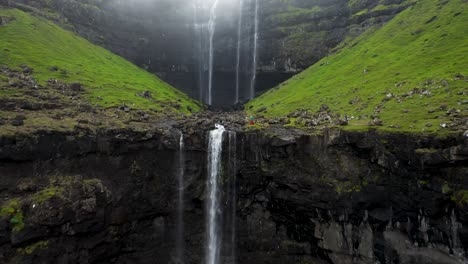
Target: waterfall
254, 64
214, 166
197, 32
211, 29
239, 35
180, 202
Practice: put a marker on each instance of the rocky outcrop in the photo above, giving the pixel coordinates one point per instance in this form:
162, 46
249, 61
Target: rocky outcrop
363, 198
333, 197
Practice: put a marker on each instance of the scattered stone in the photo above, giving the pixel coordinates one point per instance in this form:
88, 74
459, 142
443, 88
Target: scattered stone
443, 107
13, 83
17, 122
189, 108
465, 134
26, 69
6, 20
299, 120
84, 107
378, 122
324, 108
99, 98
125, 108
82, 121
406, 111
459, 76
343, 122
263, 109
443, 125
53, 68
52, 81
444, 83
428, 125
375, 122
145, 94
76, 87
356, 100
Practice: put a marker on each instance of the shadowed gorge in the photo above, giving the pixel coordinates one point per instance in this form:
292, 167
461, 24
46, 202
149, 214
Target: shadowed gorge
233, 131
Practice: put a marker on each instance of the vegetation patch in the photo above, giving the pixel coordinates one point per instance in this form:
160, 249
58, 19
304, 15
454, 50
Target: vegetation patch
46, 194
407, 76
28, 250
461, 197
12, 210
107, 79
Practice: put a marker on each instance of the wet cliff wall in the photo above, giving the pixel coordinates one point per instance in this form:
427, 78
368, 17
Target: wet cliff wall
338, 197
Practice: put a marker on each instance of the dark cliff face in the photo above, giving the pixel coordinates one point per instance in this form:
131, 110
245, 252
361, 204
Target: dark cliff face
340, 197
161, 36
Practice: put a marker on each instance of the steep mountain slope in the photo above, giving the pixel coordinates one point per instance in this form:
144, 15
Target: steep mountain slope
408, 75
55, 53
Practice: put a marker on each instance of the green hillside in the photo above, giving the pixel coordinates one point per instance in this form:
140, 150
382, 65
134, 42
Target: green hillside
409, 74
108, 80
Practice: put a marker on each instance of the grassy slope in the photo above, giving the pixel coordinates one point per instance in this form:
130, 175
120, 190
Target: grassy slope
41, 44
409, 50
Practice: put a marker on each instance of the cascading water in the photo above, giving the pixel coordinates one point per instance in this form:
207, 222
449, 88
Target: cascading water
214, 166
254, 53
211, 30
198, 31
180, 202
239, 37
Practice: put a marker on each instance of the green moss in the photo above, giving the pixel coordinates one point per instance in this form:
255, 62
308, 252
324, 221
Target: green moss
12, 209
460, 197
28, 250
294, 15
47, 193
41, 44
362, 12
423, 182
426, 150
446, 188
413, 52
384, 7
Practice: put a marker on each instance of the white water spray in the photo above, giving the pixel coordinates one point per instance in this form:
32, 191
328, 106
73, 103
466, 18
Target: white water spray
254, 64
214, 166
211, 29
239, 35
180, 202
